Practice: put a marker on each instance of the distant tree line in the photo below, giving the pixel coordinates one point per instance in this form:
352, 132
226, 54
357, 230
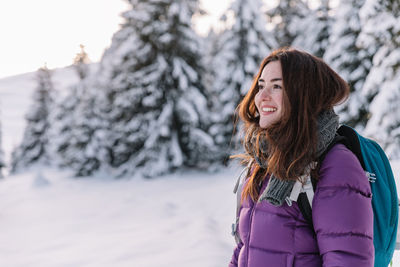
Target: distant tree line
164, 98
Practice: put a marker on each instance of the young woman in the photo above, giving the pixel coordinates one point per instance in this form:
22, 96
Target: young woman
289, 122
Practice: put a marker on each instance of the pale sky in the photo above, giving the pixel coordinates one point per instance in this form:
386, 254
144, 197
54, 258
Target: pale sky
35, 32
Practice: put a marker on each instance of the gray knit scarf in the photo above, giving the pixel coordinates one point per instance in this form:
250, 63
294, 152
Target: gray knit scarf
278, 190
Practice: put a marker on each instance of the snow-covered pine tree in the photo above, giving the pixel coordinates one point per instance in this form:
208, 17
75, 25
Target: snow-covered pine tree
65, 118
381, 24
286, 17
350, 60
155, 102
313, 30
34, 147
241, 48
210, 48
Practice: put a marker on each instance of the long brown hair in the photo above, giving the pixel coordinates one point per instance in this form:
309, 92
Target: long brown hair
310, 87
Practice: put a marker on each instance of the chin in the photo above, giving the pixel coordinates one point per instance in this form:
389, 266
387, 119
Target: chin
266, 124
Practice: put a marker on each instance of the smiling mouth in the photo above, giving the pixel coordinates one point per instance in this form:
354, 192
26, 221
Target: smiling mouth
269, 109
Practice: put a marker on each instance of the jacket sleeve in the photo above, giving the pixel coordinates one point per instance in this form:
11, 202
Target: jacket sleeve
235, 256
342, 211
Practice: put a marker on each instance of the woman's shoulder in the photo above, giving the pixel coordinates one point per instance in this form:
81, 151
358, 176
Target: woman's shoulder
341, 168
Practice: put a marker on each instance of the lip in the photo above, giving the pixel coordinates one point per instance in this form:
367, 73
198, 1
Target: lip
266, 113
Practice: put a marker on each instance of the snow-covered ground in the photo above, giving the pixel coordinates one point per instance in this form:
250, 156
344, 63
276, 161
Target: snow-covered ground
48, 218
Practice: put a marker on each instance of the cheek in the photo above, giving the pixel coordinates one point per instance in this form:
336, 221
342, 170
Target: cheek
257, 100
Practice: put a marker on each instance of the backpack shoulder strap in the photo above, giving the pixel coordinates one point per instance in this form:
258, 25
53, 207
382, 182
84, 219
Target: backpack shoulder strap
305, 209
352, 142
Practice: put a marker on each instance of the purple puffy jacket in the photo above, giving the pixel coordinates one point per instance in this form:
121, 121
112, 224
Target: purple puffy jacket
342, 217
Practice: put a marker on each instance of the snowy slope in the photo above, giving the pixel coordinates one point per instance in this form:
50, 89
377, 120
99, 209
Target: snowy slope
49, 219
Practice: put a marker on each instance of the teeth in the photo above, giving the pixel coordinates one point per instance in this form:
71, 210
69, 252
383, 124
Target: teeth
269, 109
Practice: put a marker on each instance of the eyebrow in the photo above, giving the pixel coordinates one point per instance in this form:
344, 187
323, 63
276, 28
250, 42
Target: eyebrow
272, 80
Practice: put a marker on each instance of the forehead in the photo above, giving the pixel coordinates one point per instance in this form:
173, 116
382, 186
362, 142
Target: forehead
271, 71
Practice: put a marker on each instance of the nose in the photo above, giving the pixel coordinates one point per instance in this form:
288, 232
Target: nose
266, 92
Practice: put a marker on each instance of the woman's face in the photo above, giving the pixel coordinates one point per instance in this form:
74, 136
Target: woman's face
268, 100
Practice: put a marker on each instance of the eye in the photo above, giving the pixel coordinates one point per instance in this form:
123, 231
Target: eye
277, 86
260, 87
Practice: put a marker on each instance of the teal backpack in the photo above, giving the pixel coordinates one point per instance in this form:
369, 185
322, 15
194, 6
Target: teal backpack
385, 202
